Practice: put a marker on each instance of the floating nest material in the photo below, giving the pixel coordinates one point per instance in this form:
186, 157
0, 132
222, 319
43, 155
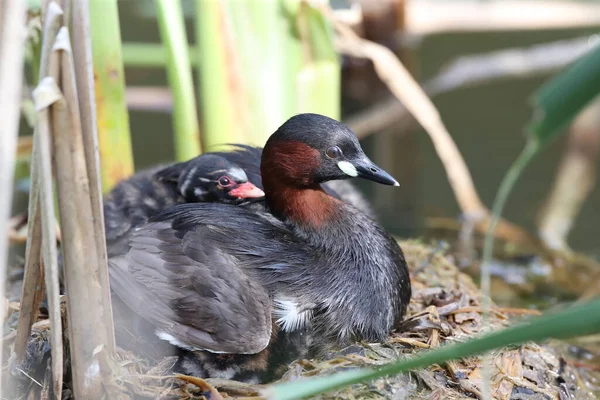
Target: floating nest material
444, 308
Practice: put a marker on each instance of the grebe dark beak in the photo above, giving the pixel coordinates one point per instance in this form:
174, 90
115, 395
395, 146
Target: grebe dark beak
246, 191
367, 169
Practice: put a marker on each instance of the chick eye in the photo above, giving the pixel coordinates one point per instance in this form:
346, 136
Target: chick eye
224, 181
334, 152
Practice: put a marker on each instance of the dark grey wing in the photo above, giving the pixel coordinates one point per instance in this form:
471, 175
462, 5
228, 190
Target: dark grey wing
192, 292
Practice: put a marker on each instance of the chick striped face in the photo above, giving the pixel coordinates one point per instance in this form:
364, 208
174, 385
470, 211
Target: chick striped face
213, 181
226, 185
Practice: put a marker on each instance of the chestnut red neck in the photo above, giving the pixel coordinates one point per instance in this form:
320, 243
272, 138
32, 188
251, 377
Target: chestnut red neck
308, 207
288, 170
291, 162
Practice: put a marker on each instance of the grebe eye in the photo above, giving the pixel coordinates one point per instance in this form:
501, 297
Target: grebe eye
334, 152
224, 181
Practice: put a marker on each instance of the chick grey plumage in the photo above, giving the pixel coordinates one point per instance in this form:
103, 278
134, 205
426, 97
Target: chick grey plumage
132, 201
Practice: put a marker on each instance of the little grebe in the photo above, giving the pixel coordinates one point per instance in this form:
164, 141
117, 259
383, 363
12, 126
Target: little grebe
211, 277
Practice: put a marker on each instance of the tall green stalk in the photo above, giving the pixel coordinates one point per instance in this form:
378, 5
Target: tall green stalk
217, 92
185, 121
116, 156
146, 55
261, 62
318, 80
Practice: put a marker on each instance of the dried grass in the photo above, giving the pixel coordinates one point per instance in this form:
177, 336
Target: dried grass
444, 308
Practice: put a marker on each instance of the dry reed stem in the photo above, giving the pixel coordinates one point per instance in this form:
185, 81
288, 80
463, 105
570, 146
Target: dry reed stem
84, 77
86, 306
45, 94
66, 6
31, 293
391, 71
427, 17
407, 90
33, 281
472, 70
12, 36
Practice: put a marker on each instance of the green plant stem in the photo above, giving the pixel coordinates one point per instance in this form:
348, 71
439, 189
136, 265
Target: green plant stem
219, 91
185, 121
150, 55
579, 320
558, 101
506, 186
319, 78
509, 181
35, 60
114, 140
144, 55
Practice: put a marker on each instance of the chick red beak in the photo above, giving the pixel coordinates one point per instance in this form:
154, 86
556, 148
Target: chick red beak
246, 191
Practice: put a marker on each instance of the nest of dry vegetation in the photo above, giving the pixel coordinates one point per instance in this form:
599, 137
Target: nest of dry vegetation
444, 308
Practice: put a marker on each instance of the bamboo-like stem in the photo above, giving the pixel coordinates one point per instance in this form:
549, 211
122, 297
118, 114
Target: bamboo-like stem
32, 291
151, 55
218, 79
66, 7
144, 55
319, 80
185, 122
33, 281
46, 90
12, 22
116, 156
263, 66
84, 76
89, 334
260, 62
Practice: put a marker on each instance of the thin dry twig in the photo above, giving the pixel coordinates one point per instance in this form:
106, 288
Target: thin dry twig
427, 17
30, 377
406, 89
474, 70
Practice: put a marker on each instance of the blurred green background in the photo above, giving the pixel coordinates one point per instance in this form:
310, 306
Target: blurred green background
486, 121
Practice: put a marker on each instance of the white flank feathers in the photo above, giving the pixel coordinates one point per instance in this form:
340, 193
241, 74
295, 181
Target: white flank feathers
289, 316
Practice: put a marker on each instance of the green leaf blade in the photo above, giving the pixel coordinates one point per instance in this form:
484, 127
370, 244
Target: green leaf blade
579, 320
558, 102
